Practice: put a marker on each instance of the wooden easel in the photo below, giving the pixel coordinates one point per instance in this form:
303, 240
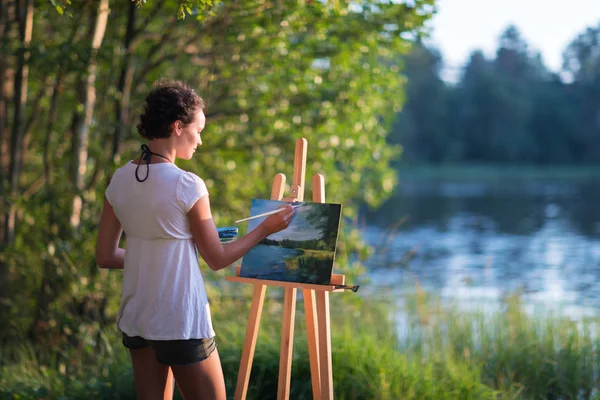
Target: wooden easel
316, 305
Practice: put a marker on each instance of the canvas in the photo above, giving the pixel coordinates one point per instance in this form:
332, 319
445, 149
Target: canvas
304, 252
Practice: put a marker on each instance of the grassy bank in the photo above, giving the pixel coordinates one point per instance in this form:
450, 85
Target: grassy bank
441, 354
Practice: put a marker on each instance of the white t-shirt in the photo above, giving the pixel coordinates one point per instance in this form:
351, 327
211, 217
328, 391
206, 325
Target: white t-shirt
163, 295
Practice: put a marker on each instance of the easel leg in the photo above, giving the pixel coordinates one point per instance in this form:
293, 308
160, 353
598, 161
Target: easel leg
312, 329
287, 342
325, 346
258, 298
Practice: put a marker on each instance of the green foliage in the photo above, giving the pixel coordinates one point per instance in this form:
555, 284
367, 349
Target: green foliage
438, 353
270, 72
319, 77
185, 7
61, 5
508, 109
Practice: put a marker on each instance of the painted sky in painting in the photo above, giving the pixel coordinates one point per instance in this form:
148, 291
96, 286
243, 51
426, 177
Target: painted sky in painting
299, 228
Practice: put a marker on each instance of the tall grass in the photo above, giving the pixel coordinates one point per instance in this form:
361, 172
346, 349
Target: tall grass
441, 353
519, 354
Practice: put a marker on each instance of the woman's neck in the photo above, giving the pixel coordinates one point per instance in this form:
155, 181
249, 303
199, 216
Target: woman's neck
163, 150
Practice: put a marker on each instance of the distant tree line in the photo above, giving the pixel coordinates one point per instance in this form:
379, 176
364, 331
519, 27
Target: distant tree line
312, 244
509, 109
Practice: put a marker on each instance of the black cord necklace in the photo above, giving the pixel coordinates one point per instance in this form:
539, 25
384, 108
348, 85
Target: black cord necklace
146, 156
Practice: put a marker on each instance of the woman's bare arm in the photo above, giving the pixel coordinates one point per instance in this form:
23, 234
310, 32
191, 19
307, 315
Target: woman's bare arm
108, 253
206, 236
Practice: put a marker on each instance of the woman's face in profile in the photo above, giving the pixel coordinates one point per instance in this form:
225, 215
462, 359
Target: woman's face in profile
189, 138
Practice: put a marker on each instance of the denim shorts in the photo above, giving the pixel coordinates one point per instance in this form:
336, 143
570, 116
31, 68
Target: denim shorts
174, 352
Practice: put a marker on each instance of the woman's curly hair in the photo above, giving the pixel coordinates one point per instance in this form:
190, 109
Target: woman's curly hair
167, 102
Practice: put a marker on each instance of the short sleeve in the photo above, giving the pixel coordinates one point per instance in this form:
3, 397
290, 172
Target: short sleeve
110, 191
189, 189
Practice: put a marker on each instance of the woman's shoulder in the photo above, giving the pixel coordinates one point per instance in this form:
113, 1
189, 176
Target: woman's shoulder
189, 178
125, 166
190, 174
120, 170
189, 189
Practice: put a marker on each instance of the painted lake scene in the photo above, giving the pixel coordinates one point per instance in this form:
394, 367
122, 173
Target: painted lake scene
304, 252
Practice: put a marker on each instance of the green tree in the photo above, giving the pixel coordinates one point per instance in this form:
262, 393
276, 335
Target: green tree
553, 123
514, 74
506, 109
270, 72
477, 101
582, 64
422, 126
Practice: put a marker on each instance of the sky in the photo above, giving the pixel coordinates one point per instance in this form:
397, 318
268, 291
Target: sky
461, 26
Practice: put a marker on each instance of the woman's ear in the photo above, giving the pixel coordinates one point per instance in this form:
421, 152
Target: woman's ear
176, 128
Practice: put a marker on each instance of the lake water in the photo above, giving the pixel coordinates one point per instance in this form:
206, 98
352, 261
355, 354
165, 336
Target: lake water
474, 242
268, 262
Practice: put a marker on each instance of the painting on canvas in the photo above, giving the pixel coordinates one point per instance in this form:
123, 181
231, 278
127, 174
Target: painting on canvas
304, 252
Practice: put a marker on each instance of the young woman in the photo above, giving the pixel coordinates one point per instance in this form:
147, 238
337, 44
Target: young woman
165, 213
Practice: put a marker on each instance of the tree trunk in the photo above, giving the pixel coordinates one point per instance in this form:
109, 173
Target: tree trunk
4, 27
24, 19
3, 65
48, 289
45, 285
24, 11
4, 96
87, 98
125, 79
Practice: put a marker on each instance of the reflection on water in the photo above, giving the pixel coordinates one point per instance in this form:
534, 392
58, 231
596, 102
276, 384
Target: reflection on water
268, 262
476, 242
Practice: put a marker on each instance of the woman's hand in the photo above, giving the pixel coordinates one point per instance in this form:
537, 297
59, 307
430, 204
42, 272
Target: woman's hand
209, 245
278, 222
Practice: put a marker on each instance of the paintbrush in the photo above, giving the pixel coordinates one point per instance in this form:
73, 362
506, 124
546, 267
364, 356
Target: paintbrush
266, 214
346, 287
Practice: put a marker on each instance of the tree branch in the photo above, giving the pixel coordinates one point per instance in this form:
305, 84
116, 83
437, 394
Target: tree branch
35, 112
149, 66
150, 17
